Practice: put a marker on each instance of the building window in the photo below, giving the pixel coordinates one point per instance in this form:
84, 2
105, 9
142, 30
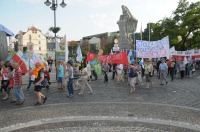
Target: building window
32, 31
39, 48
39, 41
38, 36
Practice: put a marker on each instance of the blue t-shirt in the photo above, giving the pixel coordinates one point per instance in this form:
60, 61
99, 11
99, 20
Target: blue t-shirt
60, 71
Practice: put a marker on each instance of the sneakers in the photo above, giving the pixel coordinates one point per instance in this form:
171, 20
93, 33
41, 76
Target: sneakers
37, 103
13, 101
70, 96
44, 99
90, 92
58, 89
19, 102
5, 98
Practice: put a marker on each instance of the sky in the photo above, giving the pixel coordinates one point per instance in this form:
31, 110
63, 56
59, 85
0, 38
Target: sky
81, 18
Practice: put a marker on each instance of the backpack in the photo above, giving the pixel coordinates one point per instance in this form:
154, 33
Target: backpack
132, 73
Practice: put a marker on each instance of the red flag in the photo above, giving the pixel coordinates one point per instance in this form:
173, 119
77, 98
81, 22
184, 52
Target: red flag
120, 58
90, 56
21, 63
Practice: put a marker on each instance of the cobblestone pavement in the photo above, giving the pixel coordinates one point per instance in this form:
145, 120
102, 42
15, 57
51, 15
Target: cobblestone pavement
175, 104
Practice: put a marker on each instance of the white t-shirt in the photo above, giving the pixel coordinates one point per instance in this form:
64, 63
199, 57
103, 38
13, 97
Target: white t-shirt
89, 69
83, 72
71, 70
120, 68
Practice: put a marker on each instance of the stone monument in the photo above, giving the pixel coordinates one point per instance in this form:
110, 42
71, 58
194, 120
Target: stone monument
127, 24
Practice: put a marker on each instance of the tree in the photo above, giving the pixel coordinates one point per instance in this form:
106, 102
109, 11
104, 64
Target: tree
85, 48
182, 27
187, 18
72, 48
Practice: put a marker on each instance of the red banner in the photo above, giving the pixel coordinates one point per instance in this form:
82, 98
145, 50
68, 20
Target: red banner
120, 58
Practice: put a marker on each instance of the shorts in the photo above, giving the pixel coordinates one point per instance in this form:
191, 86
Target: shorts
60, 79
38, 88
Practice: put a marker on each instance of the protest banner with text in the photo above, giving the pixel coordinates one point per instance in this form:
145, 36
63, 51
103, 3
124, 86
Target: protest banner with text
152, 49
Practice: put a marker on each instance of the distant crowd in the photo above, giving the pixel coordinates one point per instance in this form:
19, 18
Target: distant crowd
77, 76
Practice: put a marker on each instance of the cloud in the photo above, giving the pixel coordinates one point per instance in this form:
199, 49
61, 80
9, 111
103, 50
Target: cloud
30, 1
102, 22
95, 3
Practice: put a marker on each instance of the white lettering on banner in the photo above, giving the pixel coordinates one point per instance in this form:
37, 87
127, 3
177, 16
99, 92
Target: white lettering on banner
153, 49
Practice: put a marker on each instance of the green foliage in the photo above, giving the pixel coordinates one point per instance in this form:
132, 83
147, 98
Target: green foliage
72, 47
184, 22
54, 29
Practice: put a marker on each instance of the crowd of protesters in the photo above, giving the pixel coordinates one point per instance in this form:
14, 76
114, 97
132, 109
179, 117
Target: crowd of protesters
77, 76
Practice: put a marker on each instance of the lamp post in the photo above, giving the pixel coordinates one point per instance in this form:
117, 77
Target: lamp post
53, 6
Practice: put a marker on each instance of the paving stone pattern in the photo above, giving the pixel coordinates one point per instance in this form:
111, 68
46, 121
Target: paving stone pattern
178, 101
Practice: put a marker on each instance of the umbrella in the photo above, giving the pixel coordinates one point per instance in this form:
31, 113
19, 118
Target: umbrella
7, 31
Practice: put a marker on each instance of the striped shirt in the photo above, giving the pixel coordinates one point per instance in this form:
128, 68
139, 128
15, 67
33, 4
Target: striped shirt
17, 76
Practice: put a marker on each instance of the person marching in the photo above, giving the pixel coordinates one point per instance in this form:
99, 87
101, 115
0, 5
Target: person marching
70, 79
38, 84
133, 76
148, 73
19, 95
83, 78
163, 71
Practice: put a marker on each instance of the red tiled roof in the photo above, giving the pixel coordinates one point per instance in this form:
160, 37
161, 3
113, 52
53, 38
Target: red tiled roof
33, 28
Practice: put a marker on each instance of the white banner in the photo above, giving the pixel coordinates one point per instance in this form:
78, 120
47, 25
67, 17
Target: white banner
185, 53
152, 49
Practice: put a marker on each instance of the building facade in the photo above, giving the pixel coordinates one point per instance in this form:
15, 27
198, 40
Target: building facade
35, 38
105, 40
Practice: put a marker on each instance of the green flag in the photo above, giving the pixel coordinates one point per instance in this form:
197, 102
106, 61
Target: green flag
96, 65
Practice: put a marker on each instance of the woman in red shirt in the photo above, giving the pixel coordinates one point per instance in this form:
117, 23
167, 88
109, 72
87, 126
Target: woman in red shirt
5, 80
9, 75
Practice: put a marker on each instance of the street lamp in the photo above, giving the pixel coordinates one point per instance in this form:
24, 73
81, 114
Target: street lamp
53, 6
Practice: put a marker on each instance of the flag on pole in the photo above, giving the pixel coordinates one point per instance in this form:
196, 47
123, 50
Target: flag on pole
142, 63
111, 52
66, 50
79, 54
141, 31
22, 64
129, 55
10, 55
96, 65
185, 61
149, 31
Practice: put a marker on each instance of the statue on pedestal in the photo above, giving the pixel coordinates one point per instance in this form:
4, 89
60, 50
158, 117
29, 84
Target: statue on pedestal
127, 24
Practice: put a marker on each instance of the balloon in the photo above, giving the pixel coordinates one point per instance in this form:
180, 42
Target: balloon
140, 63
132, 61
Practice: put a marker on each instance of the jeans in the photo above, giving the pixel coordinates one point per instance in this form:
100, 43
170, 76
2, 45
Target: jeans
29, 84
105, 77
19, 95
172, 73
163, 76
113, 75
70, 86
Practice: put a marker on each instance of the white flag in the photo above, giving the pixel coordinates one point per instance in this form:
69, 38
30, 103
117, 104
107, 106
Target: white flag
79, 54
185, 60
66, 50
111, 52
142, 61
129, 55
